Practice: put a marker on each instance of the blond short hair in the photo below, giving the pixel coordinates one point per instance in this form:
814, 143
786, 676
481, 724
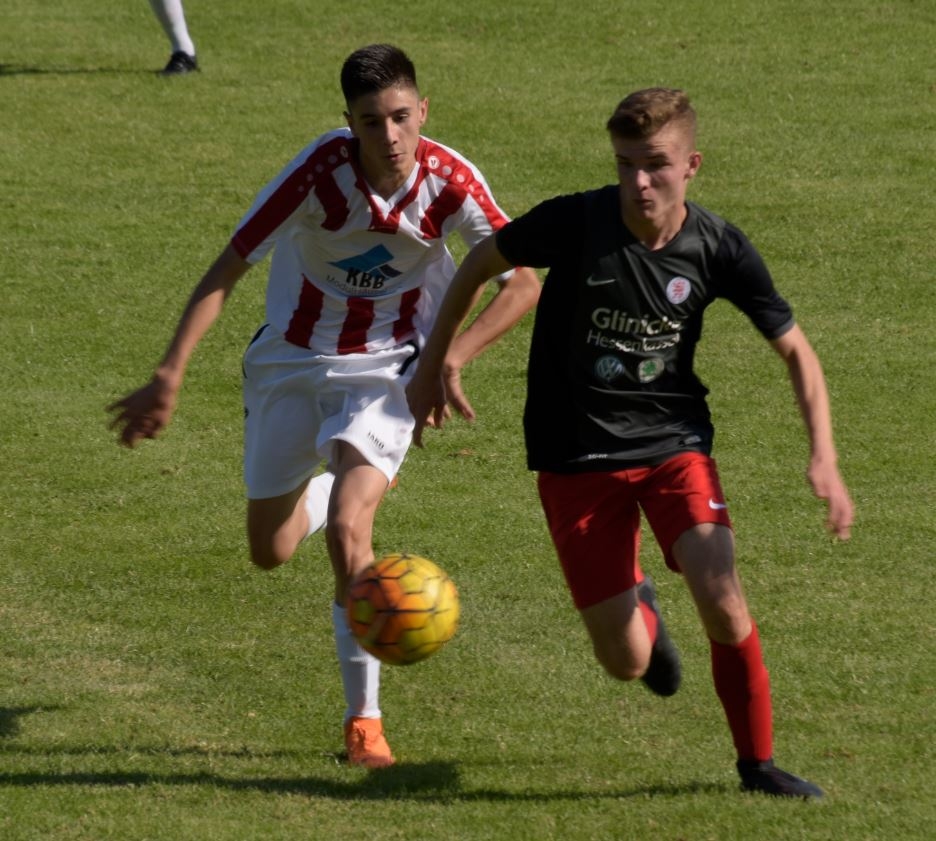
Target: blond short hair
643, 113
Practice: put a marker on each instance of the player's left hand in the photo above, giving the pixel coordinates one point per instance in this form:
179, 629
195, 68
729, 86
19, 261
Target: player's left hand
426, 397
827, 484
454, 394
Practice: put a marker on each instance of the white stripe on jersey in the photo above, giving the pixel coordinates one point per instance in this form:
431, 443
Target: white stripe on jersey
352, 272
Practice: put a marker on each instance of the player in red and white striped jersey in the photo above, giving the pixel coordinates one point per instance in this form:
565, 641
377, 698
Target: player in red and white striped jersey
357, 224
362, 272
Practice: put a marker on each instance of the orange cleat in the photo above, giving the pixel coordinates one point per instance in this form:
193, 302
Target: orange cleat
366, 744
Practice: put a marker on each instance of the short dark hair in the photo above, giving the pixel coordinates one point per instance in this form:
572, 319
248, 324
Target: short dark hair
375, 68
643, 113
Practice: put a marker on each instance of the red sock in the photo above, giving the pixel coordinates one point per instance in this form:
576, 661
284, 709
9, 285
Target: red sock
743, 686
649, 617
650, 620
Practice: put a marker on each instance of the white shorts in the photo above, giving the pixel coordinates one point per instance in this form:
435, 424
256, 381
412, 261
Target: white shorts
296, 404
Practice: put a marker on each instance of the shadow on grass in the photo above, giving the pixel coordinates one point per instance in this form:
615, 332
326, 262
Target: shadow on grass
10, 719
10, 727
436, 782
144, 750
431, 782
26, 70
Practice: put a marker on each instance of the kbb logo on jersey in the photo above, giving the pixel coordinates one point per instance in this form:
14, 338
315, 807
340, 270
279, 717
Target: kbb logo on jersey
367, 273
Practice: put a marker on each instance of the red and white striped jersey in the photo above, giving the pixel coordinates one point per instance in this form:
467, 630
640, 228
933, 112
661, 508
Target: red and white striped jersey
352, 272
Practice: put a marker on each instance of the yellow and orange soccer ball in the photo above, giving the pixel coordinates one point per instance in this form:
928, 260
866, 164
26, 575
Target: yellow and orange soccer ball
402, 608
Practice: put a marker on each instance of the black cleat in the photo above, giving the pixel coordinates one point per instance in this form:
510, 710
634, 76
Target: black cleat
664, 673
767, 778
179, 63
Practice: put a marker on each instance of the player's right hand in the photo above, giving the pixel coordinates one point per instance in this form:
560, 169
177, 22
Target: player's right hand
143, 413
827, 484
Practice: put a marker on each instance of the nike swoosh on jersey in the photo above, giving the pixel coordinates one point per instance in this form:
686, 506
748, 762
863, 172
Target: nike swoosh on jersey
599, 281
716, 506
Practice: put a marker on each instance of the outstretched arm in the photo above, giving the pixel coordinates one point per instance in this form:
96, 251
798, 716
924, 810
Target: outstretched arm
813, 398
514, 298
145, 412
438, 377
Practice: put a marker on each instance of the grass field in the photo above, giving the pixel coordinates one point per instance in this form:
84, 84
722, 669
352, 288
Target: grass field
153, 685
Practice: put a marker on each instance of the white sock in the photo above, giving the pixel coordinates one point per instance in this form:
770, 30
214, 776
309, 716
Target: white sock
316, 500
360, 671
172, 19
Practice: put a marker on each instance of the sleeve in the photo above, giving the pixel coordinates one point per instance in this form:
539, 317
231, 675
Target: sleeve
541, 237
745, 281
275, 206
478, 214
482, 216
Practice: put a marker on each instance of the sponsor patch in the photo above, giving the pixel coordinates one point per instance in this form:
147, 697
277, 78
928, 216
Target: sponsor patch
678, 289
650, 369
608, 368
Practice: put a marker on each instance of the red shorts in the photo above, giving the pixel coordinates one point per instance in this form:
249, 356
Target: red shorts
594, 519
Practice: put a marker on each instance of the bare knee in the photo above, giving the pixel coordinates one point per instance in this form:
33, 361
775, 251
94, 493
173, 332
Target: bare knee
349, 533
269, 553
619, 636
621, 665
727, 620
274, 530
266, 561
705, 554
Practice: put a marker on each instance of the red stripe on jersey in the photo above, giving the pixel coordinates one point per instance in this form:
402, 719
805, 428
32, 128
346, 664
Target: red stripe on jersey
273, 212
461, 184
315, 173
404, 327
390, 223
353, 338
378, 223
446, 203
304, 317
324, 161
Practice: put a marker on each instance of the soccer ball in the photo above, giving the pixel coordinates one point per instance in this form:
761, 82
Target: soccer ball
402, 608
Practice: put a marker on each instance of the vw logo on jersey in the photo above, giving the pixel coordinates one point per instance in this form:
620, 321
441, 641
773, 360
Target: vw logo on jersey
368, 273
678, 289
609, 368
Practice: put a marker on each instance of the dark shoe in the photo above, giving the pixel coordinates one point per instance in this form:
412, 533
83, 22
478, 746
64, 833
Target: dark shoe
767, 778
664, 673
180, 63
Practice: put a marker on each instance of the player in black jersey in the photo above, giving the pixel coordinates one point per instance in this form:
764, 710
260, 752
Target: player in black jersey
616, 420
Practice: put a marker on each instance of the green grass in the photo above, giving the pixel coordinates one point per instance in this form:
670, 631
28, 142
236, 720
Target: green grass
154, 686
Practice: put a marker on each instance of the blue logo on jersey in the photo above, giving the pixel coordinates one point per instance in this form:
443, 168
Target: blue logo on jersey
368, 270
609, 368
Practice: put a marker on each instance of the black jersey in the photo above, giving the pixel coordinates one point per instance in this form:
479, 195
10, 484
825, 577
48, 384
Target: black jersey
610, 380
